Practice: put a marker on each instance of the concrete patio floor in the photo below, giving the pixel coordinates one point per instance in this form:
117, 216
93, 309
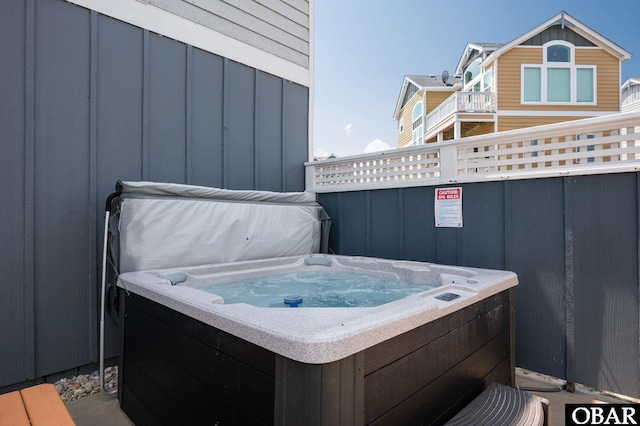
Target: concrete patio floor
557, 400
99, 409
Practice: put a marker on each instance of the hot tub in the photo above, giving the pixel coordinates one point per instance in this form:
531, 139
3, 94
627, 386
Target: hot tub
189, 357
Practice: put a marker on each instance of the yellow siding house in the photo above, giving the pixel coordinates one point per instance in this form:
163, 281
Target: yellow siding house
559, 71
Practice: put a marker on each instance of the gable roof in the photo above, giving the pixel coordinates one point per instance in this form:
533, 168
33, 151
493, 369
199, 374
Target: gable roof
631, 81
431, 82
468, 53
564, 19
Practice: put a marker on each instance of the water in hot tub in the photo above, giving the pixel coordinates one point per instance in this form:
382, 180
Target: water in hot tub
317, 289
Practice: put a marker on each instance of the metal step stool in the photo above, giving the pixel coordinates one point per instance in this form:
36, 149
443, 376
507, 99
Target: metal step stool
501, 405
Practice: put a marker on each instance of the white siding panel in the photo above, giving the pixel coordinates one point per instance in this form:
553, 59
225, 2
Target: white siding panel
284, 38
192, 25
301, 5
274, 18
231, 11
299, 16
233, 22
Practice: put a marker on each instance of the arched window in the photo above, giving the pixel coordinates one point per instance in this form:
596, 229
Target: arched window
558, 53
417, 137
472, 71
559, 80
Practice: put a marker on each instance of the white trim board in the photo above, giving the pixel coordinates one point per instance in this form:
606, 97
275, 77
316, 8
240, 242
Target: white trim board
551, 113
173, 26
311, 85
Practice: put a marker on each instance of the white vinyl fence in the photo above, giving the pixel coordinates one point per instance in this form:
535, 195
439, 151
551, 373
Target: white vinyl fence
607, 144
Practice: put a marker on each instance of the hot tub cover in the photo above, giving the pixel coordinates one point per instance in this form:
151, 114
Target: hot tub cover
194, 191
160, 225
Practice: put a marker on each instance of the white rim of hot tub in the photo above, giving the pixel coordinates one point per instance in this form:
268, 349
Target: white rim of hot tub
319, 335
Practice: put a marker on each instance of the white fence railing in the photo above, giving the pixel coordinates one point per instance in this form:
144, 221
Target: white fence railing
461, 102
607, 144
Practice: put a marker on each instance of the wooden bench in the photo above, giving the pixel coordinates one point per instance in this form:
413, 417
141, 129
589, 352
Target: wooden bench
34, 406
503, 405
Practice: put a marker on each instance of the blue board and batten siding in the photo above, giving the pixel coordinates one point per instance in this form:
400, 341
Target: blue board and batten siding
572, 241
86, 100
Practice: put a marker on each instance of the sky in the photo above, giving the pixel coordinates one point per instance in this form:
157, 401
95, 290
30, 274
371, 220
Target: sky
364, 48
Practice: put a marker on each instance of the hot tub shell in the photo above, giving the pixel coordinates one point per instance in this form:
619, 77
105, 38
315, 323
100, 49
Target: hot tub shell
186, 357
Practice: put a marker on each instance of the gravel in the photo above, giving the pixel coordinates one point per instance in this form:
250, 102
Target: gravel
83, 385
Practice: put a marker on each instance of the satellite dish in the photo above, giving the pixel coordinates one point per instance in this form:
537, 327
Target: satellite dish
445, 76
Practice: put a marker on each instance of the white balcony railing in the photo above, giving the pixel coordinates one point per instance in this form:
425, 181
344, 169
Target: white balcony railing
461, 102
608, 144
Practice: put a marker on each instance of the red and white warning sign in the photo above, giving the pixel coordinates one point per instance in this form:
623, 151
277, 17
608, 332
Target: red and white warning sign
448, 207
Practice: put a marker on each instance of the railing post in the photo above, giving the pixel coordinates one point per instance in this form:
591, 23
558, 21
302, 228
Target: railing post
310, 178
448, 163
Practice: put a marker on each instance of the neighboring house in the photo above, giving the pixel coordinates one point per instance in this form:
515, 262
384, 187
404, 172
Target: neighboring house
630, 95
630, 101
561, 70
420, 94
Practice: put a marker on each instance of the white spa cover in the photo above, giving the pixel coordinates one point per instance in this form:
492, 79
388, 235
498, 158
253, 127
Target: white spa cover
170, 225
194, 191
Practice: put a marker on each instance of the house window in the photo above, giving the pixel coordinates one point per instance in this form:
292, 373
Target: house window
585, 82
558, 80
558, 53
472, 77
401, 125
532, 84
487, 79
417, 137
472, 71
558, 85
